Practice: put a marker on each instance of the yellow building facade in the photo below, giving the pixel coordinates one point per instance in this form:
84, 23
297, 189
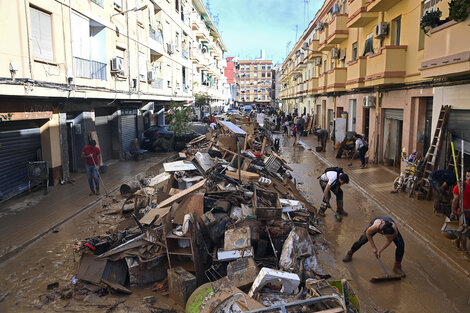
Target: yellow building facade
371, 60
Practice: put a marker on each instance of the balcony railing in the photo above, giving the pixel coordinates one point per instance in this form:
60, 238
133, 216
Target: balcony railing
445, 53
358, 15
313, 85
381, 5
322, 82
337, 30
386, 67
89, 69
157, 83
356, 73
337, 79
156, 35
323, 37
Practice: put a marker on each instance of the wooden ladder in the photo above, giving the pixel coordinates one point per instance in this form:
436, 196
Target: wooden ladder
431, 160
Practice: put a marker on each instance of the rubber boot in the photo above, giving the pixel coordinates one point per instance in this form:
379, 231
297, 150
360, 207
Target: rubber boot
397, 270
348, 257
339, 208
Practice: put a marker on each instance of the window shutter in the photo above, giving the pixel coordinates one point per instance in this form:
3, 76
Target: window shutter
80, 36
41, 31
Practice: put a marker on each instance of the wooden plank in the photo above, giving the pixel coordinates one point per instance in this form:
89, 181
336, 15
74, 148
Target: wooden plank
263, 145
150, 215
232, 127
246, 142
180, 195
246, 176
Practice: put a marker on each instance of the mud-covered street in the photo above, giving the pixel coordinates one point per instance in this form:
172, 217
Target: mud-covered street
431, 285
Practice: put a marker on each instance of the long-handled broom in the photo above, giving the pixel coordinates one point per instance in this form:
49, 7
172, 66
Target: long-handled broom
387, 277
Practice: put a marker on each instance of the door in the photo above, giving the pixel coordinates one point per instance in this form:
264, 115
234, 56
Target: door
366, 114
17, 148
393, 132
330, 121
128, 132
352, 115
104, 132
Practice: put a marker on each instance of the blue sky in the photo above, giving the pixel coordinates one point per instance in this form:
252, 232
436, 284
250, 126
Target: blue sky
247, 26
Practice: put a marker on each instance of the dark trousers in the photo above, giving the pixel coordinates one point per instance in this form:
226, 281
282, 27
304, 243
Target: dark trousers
362, 154
337, 191
398, 241
323, 137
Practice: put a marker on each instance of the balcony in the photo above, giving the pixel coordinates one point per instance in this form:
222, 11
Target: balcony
89, 69
337, 29
358, 15
312, 85
445, 53
313, 51
336, 79
386, 67
380, 5
322, 82
356, 73
195, 55
323, 40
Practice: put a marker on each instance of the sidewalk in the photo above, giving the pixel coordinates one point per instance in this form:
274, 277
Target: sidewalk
417, 216
27, 218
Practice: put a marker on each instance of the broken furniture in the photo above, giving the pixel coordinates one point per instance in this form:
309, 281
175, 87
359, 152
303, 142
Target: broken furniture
181, 284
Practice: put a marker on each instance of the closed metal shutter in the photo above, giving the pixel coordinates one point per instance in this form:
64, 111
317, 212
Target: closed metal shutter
17, 147
104, 132
394, 114
458, 126
128, 131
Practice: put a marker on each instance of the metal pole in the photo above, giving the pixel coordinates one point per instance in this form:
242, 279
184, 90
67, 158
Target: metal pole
239, 162
462, 174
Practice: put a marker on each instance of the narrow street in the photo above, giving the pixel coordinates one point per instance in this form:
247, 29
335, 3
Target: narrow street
431, 285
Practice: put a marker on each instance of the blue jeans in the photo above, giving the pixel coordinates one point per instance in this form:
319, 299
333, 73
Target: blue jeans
93, 176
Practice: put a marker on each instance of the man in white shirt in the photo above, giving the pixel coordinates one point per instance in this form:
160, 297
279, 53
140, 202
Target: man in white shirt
331, 181
361, 147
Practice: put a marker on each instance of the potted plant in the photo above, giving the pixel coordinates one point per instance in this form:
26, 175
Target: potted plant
458, 10
430, 20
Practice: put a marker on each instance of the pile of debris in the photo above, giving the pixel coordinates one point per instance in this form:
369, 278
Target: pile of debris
222, 229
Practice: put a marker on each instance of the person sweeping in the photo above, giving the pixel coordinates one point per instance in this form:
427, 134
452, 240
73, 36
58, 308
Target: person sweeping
386, 227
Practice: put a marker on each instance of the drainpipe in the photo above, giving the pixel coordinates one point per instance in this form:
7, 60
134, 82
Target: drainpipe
128, 54
377, 123
26, 6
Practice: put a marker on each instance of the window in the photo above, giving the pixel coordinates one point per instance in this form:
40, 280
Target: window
177, 41
263, 67
142, 66
263, 75
177, 5
269, 67
396, 28
255, 75
98, 2
255, 67
368, 45
269, 74
118, 4
41, 33
354, 51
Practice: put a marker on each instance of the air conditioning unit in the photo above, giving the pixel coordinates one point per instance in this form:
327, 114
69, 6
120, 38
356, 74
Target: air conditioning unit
317, 61
369, 101
305, 45
204, 49
117, 64
170, 48
320, 26
151, 76
381, 30
335, 9
335, 53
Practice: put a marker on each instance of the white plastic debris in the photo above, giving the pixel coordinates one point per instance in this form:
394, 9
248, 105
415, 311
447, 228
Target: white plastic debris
290, 281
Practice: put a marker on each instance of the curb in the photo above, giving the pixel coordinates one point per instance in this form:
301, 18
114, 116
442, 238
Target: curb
24, 245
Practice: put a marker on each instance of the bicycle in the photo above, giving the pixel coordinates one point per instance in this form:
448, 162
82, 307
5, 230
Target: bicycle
407, 179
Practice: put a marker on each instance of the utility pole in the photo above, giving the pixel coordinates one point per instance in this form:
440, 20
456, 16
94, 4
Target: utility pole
287, 48
296, 32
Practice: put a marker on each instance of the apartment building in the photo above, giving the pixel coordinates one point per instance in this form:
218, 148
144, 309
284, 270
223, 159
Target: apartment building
372, 60
254, 80
71, 69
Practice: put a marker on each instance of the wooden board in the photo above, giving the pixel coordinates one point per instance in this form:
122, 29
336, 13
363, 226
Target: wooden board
246, 176
232, 127
150, 215
180, 195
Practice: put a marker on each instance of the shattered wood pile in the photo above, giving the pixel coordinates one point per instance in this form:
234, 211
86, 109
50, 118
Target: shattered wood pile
225, 223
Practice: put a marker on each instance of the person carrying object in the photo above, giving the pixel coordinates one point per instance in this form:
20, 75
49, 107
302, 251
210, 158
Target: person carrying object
386, 227
322, 135
331, 181
361, 148
92, 155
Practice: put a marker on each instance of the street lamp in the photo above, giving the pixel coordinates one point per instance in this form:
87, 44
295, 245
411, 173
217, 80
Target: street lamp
137, 8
